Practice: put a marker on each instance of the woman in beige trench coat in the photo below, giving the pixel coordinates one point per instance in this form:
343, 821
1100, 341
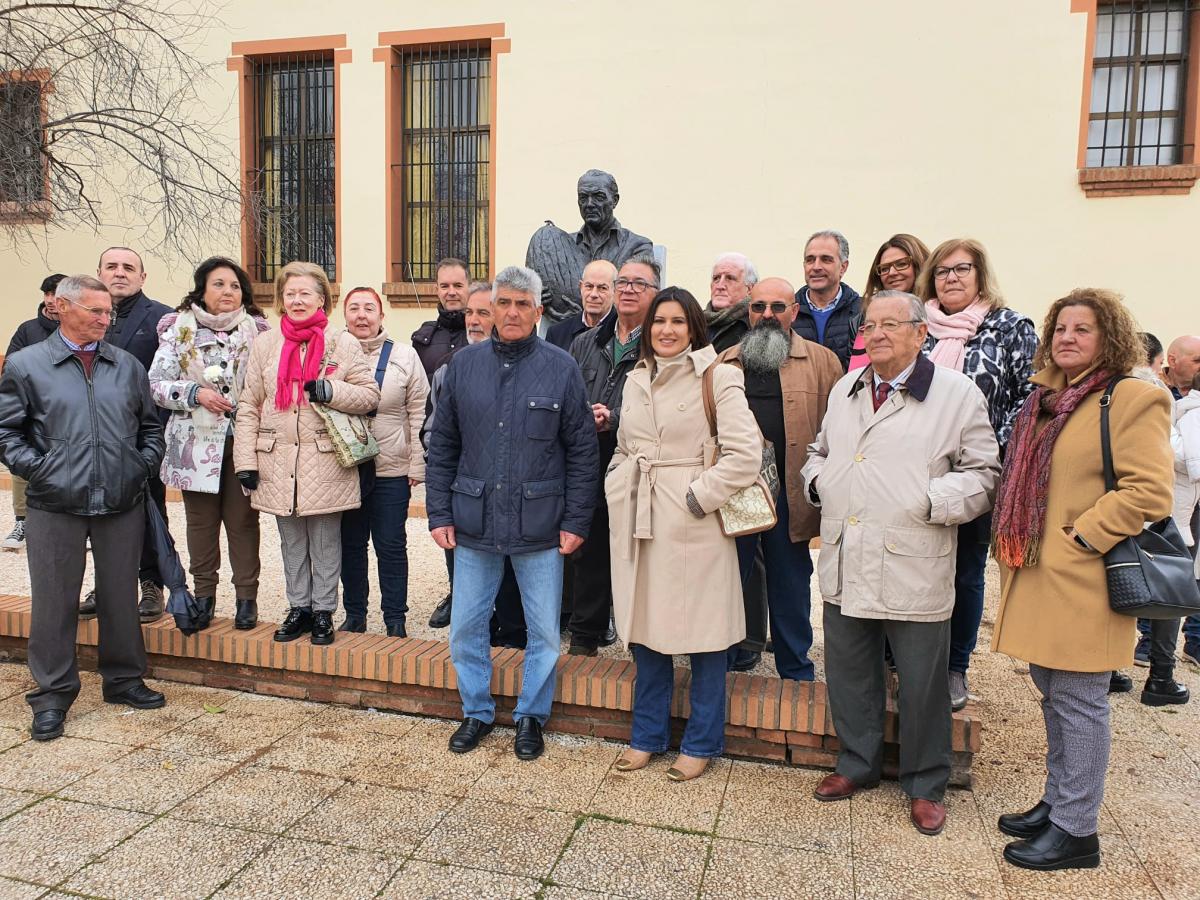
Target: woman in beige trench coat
1052, 525
676, 587
282, 451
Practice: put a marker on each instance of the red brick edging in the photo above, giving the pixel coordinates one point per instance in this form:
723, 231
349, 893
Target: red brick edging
766, 718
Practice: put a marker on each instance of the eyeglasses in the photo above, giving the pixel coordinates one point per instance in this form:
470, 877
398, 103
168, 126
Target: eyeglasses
900, 265
778, 309
962, 270
637, 285
889, 326
93, 311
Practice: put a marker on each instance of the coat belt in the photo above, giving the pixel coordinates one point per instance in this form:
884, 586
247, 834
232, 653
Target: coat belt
643, 489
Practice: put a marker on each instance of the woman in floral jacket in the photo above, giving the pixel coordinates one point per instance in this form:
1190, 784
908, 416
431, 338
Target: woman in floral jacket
972, 330
197, 374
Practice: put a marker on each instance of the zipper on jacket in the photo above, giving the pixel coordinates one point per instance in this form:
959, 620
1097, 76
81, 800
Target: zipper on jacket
94, 490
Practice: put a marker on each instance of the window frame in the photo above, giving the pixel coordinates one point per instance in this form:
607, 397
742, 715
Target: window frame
245, 56
15, 212
399, 290
1128, 179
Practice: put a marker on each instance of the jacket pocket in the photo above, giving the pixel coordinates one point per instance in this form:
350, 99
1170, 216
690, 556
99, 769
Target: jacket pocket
466, 505
264, 446
829, 561
125, 476
541, 509
913, 578
541, 418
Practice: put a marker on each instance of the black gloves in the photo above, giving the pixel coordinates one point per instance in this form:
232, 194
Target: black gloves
248, 479
319, 391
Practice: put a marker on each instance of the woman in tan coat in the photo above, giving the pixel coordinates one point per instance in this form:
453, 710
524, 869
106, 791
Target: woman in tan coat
282, 451
1054, 521
675, 579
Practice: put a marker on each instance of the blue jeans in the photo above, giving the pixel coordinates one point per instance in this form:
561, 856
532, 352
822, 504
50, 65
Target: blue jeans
381, 519
704, 735
477, 577
789, 574
969, 573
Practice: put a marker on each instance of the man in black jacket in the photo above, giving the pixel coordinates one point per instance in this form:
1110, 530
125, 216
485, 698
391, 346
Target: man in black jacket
33, 331
606, 354
597, 293
511, 472
828, 311
68, 407
134, 329
436, 341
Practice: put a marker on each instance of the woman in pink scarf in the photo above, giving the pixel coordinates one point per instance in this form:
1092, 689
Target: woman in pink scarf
971, 330
282, 452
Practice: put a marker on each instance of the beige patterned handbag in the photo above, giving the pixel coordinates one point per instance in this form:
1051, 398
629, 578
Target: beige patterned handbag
752, 509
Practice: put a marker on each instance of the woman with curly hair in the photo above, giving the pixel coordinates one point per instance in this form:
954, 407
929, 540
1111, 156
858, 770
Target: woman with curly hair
197, 373
971, 329
1054, 521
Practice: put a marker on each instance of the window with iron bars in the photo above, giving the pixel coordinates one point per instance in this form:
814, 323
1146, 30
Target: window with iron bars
292, 177
445, 155
22, 169
1139, 83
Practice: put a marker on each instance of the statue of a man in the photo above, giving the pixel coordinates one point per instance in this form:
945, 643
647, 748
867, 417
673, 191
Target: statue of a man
559, 256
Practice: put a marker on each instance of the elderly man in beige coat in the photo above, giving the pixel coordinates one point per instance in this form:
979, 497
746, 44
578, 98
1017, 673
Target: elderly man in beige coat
904, 456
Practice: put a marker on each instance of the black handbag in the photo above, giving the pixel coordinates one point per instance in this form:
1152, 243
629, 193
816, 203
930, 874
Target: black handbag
1150, 575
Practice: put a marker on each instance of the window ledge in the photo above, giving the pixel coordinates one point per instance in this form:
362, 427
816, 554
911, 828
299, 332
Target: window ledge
264, 293
1127, 181
410, 295
31, 212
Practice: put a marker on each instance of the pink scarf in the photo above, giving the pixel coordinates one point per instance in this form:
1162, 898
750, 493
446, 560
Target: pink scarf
952, 331
289, 381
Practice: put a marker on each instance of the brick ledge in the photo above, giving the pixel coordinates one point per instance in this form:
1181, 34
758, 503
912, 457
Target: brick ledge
1127, 181
767, 718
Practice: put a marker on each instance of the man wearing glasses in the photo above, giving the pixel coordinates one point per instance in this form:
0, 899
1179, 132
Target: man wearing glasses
906, 454
606, 354
134, 329
598, 293
68, 408
828, 310
788, 380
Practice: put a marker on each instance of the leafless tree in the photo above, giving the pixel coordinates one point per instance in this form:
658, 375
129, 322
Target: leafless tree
104, 121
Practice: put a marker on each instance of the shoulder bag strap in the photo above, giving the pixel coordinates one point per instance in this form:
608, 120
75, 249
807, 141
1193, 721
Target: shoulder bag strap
385, 353
710, 401
1110, 478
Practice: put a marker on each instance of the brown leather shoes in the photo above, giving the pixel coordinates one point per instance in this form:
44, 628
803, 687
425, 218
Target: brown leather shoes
838, 787
927, 816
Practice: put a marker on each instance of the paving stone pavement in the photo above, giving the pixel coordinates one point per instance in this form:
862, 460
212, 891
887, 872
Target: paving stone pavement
225, 795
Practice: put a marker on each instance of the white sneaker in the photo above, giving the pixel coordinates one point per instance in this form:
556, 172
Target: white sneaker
16, 538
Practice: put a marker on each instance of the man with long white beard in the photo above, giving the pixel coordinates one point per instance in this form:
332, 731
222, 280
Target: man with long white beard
788, 380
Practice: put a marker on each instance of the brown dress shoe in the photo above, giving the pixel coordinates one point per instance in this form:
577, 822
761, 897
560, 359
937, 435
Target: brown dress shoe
838, 787
927, 816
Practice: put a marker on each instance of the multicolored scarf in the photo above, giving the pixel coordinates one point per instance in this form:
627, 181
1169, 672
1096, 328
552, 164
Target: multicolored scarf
289, 383
1020, 515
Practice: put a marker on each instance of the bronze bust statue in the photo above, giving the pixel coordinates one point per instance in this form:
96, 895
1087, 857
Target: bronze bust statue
559, 256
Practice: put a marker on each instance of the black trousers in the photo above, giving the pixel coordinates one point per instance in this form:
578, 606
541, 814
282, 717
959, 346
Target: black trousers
56, 547
148, 568
591, 589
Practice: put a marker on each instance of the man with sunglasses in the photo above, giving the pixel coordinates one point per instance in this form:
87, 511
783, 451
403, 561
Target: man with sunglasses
828, 310
77, 422
606, 354
788, 380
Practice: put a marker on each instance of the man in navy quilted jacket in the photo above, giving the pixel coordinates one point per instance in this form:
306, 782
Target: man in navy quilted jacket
512, 471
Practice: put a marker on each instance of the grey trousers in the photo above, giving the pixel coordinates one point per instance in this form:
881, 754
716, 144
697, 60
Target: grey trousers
854, 667
1075, 707
56, 548
312, 560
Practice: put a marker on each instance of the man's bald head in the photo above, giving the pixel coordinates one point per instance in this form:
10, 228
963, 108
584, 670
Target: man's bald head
596, 290
774, 301
1183, 361
770, 289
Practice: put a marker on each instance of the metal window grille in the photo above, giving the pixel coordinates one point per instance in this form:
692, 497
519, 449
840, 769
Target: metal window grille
22, 170
292, 177
445, 156
1139, 90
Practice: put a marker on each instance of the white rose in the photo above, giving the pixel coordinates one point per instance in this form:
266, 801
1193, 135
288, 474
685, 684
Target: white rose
214, 374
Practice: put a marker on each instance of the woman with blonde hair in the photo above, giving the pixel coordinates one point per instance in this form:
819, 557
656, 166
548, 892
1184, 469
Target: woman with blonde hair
972, 330
282, 450
1054, 521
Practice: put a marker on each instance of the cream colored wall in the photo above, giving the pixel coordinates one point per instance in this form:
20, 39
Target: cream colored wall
748, 127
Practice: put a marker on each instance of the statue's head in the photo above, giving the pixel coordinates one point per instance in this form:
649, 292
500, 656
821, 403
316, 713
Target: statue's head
598, 197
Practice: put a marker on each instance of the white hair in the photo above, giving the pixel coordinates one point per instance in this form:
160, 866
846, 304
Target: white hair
749, 273
916, 304
521, 279
72, 287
